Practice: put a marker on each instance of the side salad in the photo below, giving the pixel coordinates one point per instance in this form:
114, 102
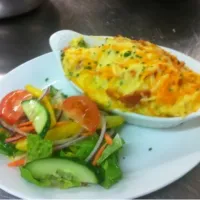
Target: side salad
59, 141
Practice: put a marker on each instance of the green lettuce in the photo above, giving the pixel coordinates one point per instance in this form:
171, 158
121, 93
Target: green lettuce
82, 149
110, 149
60, 179
110, 171
7, 149
38, 148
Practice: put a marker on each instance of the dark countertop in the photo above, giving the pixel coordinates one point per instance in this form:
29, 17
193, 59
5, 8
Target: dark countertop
171, 23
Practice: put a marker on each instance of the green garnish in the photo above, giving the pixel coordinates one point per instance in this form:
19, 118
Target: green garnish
128, 53
38, 148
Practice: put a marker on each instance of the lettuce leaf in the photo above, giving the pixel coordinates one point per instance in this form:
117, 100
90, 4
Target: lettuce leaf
110, 171
7, 149
38, 148
82, 149
61, 179
110, 149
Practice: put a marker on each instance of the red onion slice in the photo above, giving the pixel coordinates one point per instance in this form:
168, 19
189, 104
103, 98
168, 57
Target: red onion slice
45, 92
12, 128
103, 130
67, 144
14, 138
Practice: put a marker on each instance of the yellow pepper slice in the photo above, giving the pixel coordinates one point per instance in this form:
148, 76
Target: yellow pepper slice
63, 131
37, 93
21, 145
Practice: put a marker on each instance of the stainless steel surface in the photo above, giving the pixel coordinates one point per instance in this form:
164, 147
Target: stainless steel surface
170, 23
9, 8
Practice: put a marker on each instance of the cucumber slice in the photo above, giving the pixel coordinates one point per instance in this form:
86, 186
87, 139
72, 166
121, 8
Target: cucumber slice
40, 169
38, 115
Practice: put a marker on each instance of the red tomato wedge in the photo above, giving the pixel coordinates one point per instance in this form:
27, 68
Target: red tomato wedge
84, 111
10, 106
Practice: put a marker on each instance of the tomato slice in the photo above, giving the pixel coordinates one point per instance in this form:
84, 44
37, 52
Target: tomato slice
84, 111
10, 106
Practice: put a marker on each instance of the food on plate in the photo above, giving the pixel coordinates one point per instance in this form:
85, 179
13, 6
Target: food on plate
132, 75
60, 141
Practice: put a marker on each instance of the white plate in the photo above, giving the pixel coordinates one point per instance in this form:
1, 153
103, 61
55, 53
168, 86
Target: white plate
174, 151
61, 39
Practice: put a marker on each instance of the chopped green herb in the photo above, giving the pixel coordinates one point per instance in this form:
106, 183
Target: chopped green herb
108, 64
77, 75
62, 55
170, 89
70, 73
89, 63
121, 82
138, 56
128, 53
46, 79
88, 67
117, 52
109, 52
109, 104
143, 68
82, 44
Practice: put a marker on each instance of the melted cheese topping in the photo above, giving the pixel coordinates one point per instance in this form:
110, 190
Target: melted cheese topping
135, 76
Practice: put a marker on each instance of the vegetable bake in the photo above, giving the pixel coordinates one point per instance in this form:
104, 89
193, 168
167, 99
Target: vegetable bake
134, 76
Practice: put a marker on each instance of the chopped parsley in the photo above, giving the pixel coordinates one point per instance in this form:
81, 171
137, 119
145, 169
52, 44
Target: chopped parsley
47, 79
121, 82
62, 55
109, 104
109, 52
117, 52
128, 53
170, 89
88, 67
108, 65
138, 56
82, 43
70, 73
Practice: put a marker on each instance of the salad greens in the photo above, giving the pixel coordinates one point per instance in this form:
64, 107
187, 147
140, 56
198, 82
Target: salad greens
82, 149
38, 148
111, 149
6, 148
111, 171
63, 141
